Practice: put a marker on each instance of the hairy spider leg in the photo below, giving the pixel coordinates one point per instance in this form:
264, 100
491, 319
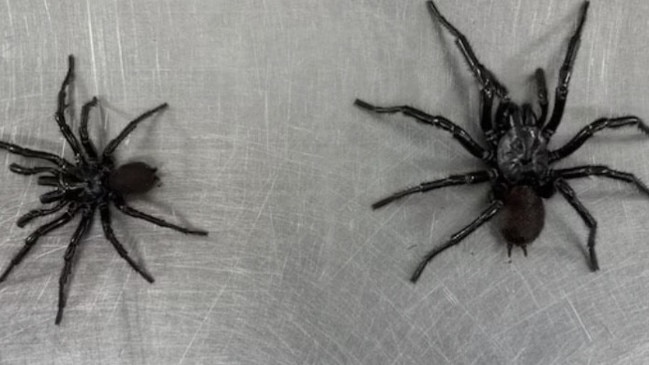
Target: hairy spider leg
484, 217
82, 228
126, 209
31, 240
561, 92
591, 223
35, 213
27, 152
42, 180
52, 196
110, 235
464, 179
603, 171
49, 180
489, 84
541, 96
112, 145
87, 144
588, 131
485, 77
23, 170
59, 116
437, 121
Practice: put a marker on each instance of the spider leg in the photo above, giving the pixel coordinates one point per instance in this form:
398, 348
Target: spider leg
26, 152
464, 179
124, 208
571, 197
110, 235
35, 213
485, 77
82, 228
594, 127
112, 145
561, 93
604, 171
489, 84
59, 116
42, 180
87, 144
31, 240
437, 121
48, 181
23, 170
486, 121
541, 95
485, 216
52, 196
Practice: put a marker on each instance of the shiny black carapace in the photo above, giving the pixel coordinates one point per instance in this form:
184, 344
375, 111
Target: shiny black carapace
517, 158
92, 182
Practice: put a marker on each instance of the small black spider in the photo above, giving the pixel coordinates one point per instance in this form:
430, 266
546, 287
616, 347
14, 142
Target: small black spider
88, 184
517, 156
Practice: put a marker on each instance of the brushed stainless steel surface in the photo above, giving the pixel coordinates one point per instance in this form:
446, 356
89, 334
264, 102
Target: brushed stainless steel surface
263, 147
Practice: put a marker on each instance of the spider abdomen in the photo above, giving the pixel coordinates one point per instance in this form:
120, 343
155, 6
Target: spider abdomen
523, 216
133, 178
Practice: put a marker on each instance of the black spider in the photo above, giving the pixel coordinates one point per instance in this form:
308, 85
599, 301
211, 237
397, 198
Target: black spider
517, 156
88, 184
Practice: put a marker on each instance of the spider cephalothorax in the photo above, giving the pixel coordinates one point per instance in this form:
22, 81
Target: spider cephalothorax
88, 184
521, 153
518, 161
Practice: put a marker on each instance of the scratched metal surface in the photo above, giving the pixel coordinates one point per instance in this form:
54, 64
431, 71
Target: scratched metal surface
263, 147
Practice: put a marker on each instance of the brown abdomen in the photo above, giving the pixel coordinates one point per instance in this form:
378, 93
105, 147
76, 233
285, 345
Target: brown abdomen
523, 216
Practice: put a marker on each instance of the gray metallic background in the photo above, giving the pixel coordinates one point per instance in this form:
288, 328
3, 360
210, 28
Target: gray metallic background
263, 147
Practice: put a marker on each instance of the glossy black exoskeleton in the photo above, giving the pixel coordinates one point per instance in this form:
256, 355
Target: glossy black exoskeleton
92, 183
517, 157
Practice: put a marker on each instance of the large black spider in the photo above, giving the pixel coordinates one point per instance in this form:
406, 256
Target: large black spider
88, 184
517, 156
